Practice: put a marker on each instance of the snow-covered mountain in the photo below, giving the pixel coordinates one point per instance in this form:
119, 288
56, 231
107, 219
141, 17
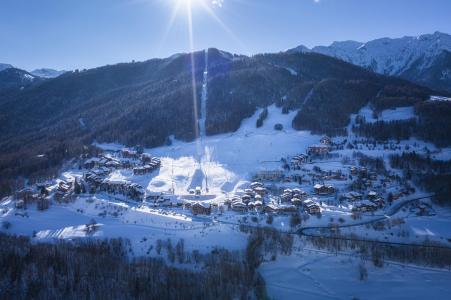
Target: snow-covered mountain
47, 73
5, 66
425, 59
12, 78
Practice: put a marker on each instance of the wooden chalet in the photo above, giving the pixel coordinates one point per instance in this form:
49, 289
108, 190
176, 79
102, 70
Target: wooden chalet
319, 149
311, 207
200, 208
324, 189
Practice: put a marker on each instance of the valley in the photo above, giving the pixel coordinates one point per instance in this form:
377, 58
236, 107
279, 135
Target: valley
294, 182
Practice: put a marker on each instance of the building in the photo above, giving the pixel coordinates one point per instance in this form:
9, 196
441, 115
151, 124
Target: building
365, 206
352, 196
287, 208
200, 208
372, 195
127, 153
311, 207
260, 191
325, 140
298, 160
319, 149
42, 203
142, 170
238, 206
322, 189
270, 175
26, 194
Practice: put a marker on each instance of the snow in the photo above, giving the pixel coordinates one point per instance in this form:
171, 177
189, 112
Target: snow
292, 71
439, 98
314, 274
399, 113
228, 160
203, 100
388, 56
47, 73
134, 223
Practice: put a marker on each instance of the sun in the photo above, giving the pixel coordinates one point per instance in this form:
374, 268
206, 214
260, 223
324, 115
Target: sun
189, 3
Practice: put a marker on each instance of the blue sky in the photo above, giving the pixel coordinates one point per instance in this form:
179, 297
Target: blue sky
68, 34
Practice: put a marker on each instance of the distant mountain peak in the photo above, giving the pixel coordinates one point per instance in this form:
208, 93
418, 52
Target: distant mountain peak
410, 57
47, 73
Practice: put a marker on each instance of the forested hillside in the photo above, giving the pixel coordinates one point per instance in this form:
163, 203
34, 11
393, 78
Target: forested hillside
146, 102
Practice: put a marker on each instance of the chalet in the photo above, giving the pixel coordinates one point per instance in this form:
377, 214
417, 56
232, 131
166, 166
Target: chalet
322, 189
153, 196
258, 204
378, 201
146, 157
132, 190
26, 194
365, 206
270, 175
64, 186
358, 170
298, 160
142, 170
239, 206
249, 192
201, 208
286, 196
298, 193
198, 191
91, 163
113, 164
42, 203
296, 201
20, 204
372, 195
255, 184
318, 149
287, 208
353, 196
246, 198
260, 191
126, 153
271, 208
311, 207
325, 140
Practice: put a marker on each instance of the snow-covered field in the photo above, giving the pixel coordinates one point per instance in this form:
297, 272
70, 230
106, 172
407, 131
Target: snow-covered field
315, 274
228, 160
142, 226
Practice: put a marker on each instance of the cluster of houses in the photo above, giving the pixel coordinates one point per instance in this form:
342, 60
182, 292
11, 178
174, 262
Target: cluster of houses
298, 198
151, 163
27, 195
252, 199
100, 167
324, 147
371, 202
124, 187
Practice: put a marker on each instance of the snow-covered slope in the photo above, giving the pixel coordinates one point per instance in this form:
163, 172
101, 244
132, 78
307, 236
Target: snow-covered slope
47, 73
408, 57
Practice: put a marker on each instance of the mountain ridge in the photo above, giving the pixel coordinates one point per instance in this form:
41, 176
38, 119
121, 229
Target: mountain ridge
415, 58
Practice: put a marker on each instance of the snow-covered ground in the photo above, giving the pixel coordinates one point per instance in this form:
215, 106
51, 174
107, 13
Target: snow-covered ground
315, 274
142, 226
228, 160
